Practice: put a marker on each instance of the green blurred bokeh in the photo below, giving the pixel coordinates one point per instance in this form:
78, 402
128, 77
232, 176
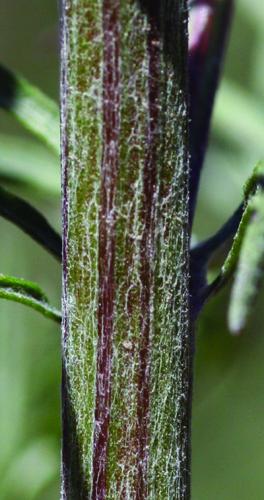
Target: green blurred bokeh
228, 423
228, 414
29, 344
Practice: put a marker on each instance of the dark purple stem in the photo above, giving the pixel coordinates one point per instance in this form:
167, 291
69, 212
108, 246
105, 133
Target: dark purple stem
209, 26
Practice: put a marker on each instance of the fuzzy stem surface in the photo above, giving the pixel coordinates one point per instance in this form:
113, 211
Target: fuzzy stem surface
127, 361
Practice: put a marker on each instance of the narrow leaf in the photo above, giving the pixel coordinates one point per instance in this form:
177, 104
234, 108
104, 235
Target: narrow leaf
33, 109
253, 185
31, 221
245, 256
28, 293
200, 256
249, 270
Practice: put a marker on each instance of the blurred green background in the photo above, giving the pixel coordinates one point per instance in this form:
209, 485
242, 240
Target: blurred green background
228, 415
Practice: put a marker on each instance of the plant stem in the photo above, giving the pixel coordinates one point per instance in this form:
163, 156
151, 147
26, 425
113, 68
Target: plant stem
127, 367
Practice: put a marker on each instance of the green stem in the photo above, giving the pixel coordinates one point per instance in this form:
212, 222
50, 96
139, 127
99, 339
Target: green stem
126, 334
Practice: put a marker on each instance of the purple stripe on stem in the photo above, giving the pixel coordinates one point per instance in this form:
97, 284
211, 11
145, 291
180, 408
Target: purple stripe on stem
107, 218
149, 190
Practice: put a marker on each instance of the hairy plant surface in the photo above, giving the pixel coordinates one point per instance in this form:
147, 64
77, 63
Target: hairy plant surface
126, 356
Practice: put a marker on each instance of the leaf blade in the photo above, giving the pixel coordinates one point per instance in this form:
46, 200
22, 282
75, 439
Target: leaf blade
27, 293
32, 108
249, 269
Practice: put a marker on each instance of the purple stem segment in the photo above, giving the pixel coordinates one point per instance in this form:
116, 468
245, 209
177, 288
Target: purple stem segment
109, 171
208, 26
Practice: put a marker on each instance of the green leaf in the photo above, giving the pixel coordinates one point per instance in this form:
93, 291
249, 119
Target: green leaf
33, 109
245, 260
249, 270
251, 189
246, 255
31, 221
28, 293
26, 162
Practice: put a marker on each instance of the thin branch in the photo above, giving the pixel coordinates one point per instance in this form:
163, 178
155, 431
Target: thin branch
31, 221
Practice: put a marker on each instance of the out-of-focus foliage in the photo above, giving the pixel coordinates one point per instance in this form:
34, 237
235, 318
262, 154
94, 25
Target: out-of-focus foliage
29, 344
228, 428
31, 107
28, 163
